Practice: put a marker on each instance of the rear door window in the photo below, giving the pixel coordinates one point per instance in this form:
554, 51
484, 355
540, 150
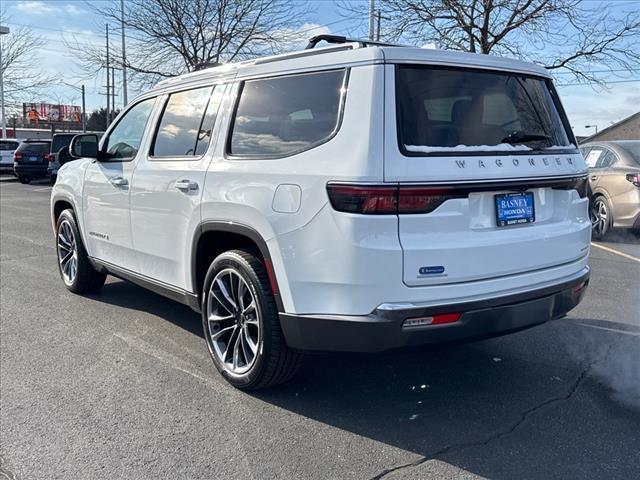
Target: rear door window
284, 115
187, 122
60, 141
452, 110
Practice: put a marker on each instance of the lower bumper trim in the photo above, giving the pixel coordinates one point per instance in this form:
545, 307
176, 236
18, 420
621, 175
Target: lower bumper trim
382, 329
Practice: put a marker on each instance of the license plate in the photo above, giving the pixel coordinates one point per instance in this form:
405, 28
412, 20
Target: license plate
515, 208
33, 159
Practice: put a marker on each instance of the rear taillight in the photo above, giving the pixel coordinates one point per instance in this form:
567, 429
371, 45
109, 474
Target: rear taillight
17, 156
634, 178
385, 200
372, 200
424, 200
48, 157
579, 184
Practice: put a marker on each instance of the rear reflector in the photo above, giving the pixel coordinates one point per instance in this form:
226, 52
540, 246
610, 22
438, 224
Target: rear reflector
386, 200
439, 319
578, 288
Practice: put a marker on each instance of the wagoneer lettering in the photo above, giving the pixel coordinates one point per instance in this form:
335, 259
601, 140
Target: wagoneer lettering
338, 199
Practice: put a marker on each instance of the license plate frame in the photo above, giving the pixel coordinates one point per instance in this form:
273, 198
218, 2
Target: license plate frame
520, 213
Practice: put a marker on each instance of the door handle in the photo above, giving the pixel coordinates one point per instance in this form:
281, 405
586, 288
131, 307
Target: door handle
594, 177
186, 185
119, 181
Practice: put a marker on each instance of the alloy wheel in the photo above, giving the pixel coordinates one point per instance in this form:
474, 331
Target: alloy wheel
599, 217
67, 252
233, 321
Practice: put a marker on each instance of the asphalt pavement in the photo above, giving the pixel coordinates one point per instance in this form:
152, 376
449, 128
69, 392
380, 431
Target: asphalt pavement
119, 385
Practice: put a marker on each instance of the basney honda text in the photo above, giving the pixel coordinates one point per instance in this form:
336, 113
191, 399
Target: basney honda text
356, 197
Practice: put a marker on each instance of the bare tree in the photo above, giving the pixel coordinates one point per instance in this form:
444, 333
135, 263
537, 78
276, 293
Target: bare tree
169, 37
23, 81
562, 35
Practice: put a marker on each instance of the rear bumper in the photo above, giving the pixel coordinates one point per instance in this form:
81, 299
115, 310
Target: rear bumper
383, 329
6, 168
31, 170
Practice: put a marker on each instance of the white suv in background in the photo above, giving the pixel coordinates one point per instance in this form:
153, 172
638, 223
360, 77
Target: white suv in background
356, 197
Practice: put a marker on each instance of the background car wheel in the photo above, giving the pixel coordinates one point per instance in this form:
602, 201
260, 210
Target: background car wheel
601, 217
24, 179
241, 324
76, 271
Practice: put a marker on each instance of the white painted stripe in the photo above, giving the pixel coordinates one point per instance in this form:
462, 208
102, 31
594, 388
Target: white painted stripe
617, 330
616, 252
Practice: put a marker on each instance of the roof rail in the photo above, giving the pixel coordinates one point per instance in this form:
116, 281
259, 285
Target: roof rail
313, 41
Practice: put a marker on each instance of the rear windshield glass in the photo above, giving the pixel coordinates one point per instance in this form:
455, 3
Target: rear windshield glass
34, 147
449, 110
60, 141
8, 146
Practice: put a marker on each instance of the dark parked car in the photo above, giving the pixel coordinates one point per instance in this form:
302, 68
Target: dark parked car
614, 181
31, 159
59, 154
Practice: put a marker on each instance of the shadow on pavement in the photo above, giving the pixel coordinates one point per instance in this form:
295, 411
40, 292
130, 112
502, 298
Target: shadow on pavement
528, 405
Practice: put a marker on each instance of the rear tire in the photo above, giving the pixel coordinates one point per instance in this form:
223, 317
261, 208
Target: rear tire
76, 271
601, 215
241, 324
24, 179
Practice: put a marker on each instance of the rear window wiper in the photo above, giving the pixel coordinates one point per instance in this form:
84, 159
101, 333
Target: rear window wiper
524, 137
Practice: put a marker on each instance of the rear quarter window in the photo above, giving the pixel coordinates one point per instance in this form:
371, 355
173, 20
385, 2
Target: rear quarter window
281, 116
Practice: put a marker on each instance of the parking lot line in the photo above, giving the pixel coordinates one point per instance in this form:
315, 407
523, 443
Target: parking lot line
616, 330
616, 252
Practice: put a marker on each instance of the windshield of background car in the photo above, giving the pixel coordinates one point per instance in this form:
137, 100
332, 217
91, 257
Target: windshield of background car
454, 110
34, 147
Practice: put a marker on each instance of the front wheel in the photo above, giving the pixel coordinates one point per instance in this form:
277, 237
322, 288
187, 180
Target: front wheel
601, 217
76, 270
241, 324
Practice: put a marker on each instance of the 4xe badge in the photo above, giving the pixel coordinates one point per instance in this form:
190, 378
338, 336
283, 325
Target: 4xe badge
431, 271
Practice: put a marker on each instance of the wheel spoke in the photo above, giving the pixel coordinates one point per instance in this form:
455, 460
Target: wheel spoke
249, 308
246, 350
252, 345
63, 242
215, 336
230, 344
242, 290
236, 352
66, 257
226, 295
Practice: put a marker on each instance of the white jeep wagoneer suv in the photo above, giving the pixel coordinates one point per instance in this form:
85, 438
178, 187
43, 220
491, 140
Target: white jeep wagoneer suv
355, 197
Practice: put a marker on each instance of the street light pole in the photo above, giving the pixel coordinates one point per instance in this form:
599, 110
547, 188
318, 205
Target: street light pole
124, 57
592, 126
3, 31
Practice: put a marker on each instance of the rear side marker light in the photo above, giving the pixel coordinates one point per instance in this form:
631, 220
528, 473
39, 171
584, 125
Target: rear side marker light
440, 319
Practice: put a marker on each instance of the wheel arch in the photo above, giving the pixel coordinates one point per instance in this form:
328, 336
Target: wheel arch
214, 237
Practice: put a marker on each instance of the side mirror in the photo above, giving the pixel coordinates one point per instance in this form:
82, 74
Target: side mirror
85, 145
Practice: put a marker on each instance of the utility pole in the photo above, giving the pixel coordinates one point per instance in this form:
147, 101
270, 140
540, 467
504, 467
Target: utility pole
372, 17
3, 31
108, 85
84, 112
113, 92
379, 19
124, 57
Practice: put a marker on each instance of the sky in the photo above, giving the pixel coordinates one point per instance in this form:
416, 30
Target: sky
60, 20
